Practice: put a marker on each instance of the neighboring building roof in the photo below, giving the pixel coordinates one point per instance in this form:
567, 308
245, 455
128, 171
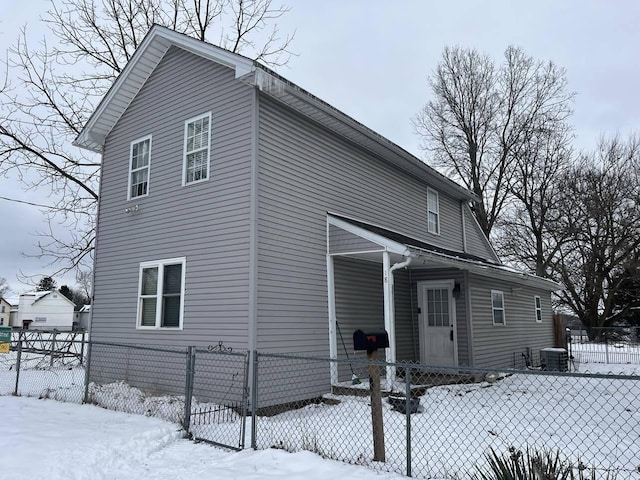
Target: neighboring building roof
160, 39
411, 247
40, 295
6, 301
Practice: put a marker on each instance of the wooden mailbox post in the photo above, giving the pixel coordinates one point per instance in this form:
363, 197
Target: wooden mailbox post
371, 342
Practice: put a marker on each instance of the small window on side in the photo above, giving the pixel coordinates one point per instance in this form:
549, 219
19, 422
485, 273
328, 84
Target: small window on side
197, 141
433, 212
139, 159
497, 307
538, 304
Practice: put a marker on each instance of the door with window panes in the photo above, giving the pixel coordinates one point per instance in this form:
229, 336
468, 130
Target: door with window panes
437, 324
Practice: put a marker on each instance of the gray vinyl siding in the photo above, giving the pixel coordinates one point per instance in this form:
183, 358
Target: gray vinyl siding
359, 304
305, 172
341, 241
208, 222
495, 345
477, 244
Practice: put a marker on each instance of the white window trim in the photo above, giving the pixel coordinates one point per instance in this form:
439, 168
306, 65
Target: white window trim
538, 309
139, 140
432, 210
504, 310
160, 264
184, 150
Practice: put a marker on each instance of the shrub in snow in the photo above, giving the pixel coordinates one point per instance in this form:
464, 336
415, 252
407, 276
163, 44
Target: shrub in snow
534, 464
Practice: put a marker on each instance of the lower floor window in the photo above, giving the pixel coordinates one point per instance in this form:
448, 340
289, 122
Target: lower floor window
161, 293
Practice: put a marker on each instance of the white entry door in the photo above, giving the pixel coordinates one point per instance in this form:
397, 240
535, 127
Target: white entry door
437, 320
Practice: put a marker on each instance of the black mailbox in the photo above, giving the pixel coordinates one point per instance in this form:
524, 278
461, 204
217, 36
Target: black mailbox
370, 340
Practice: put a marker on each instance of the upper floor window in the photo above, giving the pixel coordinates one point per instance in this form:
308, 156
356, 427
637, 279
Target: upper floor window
2, 308
497, 307
433, 212
161, 294
197, 138
139, 167
538, 309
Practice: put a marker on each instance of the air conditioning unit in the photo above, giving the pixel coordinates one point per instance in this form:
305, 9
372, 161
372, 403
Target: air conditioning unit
554, 359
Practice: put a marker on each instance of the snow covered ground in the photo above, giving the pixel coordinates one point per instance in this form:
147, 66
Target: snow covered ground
55, 440
595, 420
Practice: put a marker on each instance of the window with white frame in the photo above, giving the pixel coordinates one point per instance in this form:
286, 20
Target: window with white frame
139, 167
433, 212
161, 294
497, 307
538, 309
197, 138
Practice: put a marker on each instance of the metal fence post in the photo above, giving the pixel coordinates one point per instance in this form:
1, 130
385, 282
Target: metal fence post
188, 393
15, 391
53, 347
82, 350
408, 399
245, 399
254, 399
87, 371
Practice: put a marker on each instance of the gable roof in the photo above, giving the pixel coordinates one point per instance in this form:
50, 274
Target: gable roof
40, 295
158, 41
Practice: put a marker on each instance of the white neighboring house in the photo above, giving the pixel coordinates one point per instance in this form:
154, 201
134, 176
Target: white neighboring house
82, 317
5, 312
44, 310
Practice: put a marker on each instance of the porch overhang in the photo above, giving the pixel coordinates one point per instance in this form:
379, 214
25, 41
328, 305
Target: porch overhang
347, 237
401, 246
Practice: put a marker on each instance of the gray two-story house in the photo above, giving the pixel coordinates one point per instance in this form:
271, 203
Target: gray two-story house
237, 207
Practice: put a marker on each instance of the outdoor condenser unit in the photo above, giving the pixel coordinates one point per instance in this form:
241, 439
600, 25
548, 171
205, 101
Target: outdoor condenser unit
554, 359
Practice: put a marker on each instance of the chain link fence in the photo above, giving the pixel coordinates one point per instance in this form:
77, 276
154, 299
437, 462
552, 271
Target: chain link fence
442, 423
427, 422
608, 345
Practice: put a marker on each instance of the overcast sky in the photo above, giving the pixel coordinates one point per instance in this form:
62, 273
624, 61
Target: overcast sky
371, 59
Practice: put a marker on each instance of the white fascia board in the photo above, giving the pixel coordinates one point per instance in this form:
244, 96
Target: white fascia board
94, 141
492, 271
389, 245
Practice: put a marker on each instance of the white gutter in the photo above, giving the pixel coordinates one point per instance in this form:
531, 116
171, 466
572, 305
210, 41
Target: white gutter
389, 312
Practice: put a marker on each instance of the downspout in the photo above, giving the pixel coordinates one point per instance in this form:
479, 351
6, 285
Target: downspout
389, 314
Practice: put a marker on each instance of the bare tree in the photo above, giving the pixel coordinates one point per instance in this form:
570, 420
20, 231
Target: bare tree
50, 89
539, 163
4, 287
482, 115
600, 231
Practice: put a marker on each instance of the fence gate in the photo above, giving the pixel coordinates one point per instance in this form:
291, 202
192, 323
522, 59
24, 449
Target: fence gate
217, 388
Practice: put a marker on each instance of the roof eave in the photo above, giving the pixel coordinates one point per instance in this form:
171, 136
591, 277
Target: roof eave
489, 270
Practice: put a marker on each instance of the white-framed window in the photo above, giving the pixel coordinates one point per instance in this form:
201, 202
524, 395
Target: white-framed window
538, 304
161, 294
139, 159
197, 142
433, 212
497, 307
